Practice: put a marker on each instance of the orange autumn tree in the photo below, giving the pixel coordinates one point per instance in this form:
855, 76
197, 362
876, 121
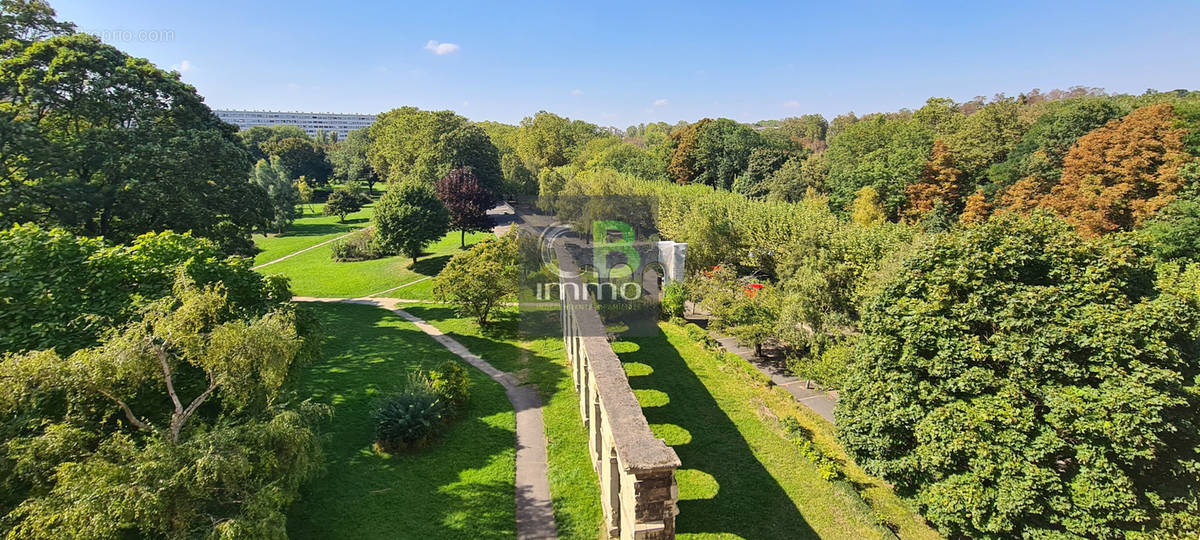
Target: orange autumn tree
939, 181
976, 210
1120, 174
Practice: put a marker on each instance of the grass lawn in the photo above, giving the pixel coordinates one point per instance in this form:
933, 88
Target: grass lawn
310, 229
462, 486
314, 272
573, 485
741, 477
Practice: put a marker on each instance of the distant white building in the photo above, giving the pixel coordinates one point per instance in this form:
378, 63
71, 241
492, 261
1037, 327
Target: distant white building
311, 123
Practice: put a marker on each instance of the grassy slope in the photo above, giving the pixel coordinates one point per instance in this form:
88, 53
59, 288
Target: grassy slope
573, 484
314, 273
741, 476
309, 230
460, 487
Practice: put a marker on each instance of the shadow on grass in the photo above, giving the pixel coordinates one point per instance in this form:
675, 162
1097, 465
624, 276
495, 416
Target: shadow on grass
723, 487
461, 486
430, 266
318, 229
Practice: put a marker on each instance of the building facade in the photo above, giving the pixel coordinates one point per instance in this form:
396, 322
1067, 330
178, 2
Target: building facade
311, 123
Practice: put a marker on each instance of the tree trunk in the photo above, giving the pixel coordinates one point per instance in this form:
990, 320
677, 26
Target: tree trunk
462, 238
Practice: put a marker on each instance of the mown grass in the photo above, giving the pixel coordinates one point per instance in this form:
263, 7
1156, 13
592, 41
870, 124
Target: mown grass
310, 229
315, 273
462, 486
574, 489
741, 476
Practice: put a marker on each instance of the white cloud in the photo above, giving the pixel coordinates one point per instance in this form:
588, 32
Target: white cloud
576, 92
441, 48
792, 104
660, 102
183, 66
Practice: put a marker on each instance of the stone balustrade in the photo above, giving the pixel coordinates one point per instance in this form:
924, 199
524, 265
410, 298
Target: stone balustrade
636, 469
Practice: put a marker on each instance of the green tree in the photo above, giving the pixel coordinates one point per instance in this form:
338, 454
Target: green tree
300, 157
411, 144
1021, 381
257, 137
304, 191
884, 153
108, 145
350, 162
282, 192
170, 427
866, 209
409, 217
343, 202
476, 280
762, 165
986, 137
548, 140
28, 21
722, 152
1042, 148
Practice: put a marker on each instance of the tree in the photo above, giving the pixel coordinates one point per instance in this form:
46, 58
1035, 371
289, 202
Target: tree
409, 217
682, 167
763, 163
1116, 177
281, 192
1040, 153
1176, 230
1020, 381
467, 202
300, 157
476, 280
350, 162
65, 290
940, 181
986, 137
258, 137
807, 131
885, 153
304, 191
722, 152
108, 145
343, 202
170, 427
411, 144
548, 140
976, 210
28, 21
866, 209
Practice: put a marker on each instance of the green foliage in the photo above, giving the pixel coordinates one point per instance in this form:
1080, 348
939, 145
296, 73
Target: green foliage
299, 156
1176, 231
476, 280
410, 418
828, 466
547, 140
171, 427
1019, 380
259, 136
423, 146
884, 153
62, 291
343, 202
409, 217
282, 193
349, 159
357, 246
674, 295
1042, 148
829, 368
104, 144
713, 152
451, 382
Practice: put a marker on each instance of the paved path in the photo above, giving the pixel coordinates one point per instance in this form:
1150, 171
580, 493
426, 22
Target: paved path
818, 400
535, 512
309, 248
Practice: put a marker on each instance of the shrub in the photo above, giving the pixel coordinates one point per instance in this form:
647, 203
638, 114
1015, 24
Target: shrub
451, 382
828, 369
359, 246
696, 334
410, 418
674, 295
828, 466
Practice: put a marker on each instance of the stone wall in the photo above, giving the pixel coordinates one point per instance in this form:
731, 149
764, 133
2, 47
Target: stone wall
636, 469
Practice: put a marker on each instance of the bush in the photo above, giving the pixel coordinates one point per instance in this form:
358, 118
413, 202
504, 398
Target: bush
359, 246
828, 466
410, 418
451, 382
828, 369
674, 296
697, 334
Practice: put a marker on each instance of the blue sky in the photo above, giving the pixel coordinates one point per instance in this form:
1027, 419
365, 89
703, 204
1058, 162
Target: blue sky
619, 63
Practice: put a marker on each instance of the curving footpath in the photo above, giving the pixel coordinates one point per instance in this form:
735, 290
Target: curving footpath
535, 512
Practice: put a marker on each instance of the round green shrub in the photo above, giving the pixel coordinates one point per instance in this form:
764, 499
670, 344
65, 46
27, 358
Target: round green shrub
451, 382
409, 419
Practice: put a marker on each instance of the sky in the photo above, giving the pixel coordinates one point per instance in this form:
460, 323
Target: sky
619, 63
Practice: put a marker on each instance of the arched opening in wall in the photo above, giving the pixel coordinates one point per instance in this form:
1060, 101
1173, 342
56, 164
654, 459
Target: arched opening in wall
652, 279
